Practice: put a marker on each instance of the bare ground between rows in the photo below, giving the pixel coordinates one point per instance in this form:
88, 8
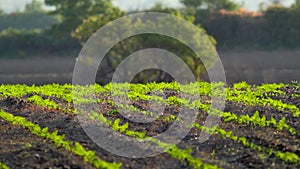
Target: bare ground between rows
255, 67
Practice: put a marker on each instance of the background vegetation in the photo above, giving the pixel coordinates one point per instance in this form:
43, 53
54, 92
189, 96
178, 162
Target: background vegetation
71, 23
63, 31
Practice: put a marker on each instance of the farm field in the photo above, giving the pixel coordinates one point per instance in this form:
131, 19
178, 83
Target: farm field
259, 126
255, 67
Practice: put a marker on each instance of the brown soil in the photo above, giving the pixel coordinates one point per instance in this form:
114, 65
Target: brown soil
255, 67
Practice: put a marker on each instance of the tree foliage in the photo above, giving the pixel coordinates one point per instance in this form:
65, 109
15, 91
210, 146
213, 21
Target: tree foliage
296, 4
23, 42
27, 20
282, 23
192, 3
229, 5
94, 22
34, 6
211, 5
276, 2
274, 28
73, 12
130, 45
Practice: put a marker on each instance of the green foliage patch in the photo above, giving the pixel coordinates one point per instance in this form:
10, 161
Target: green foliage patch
59, 141
240, 93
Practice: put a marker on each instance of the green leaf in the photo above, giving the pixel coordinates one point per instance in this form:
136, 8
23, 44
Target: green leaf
79, 150
116, 125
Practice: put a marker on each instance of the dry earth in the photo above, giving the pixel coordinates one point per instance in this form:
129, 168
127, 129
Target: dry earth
255, 67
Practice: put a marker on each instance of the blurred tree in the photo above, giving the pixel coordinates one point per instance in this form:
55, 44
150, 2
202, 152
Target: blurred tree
215, 5
262, 7
276, 2
192, 3
211, 5
282, 23
207, 8
34, 6
27, 21
1, 11
128, 46
296, 4
158, 7
73, 12
94, 22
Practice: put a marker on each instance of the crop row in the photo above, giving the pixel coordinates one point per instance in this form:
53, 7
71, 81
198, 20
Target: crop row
172, 150
255, 119
196, 104
3, 166
59, 141
259, 98
288, 157
227, 116
241, 92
